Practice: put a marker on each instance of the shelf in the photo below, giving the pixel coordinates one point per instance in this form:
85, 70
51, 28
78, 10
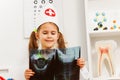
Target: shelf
110, 78
108, 28
114, 78
104, 33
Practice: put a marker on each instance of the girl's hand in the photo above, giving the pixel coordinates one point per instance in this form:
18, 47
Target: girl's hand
81, 62
28, 73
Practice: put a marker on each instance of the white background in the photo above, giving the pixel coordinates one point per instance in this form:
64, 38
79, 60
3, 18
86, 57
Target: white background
13, 45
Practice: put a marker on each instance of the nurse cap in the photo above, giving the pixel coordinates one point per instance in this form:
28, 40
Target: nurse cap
47, 14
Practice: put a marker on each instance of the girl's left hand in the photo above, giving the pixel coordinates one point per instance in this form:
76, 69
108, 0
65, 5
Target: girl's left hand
81, 62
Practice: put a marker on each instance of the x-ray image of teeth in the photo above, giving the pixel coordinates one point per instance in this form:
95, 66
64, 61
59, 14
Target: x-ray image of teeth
104, 49
55, 64
66, 68
42, 63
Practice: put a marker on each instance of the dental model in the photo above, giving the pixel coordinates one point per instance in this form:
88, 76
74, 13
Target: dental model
104, 49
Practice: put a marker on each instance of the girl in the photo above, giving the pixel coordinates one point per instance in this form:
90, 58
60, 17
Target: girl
47, 36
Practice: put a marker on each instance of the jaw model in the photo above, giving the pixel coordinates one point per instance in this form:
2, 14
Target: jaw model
104, 49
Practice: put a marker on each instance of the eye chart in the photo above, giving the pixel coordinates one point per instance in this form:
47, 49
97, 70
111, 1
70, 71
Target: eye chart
32, 8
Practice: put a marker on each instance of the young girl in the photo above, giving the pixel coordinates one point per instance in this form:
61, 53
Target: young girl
47, 36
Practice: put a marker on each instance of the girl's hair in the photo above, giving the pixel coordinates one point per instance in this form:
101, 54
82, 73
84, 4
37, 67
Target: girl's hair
33, 41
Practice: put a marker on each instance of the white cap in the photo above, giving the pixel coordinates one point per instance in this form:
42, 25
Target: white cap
47, 14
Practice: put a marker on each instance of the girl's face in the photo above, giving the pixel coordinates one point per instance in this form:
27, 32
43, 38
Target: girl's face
48, 36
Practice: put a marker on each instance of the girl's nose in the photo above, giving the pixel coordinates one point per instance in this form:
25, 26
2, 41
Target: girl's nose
49, 35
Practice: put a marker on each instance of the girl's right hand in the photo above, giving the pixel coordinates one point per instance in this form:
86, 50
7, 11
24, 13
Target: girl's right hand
28, 73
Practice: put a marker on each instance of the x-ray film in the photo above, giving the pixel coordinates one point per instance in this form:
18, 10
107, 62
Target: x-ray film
66, 66
55, 64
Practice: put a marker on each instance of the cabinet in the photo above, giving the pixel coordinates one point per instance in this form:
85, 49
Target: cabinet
103, 38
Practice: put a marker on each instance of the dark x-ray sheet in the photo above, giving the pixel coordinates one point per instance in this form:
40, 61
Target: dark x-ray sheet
55, 64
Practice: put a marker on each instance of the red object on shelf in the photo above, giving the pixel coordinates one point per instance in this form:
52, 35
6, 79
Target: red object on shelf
1, 78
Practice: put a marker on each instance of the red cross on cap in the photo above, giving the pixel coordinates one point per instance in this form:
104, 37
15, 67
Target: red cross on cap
50, 12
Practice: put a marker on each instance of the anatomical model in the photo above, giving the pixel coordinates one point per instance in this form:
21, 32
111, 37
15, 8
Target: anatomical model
104, 49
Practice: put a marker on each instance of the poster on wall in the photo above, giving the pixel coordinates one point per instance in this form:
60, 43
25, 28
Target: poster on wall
32, 9
55, 64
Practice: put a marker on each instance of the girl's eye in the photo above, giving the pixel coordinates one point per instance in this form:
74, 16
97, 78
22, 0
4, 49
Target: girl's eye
44, 32
53, 33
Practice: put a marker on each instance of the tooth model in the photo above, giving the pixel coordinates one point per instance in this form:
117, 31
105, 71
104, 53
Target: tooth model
104, 49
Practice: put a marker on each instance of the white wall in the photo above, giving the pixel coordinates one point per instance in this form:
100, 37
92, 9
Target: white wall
13, 46
74, 23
